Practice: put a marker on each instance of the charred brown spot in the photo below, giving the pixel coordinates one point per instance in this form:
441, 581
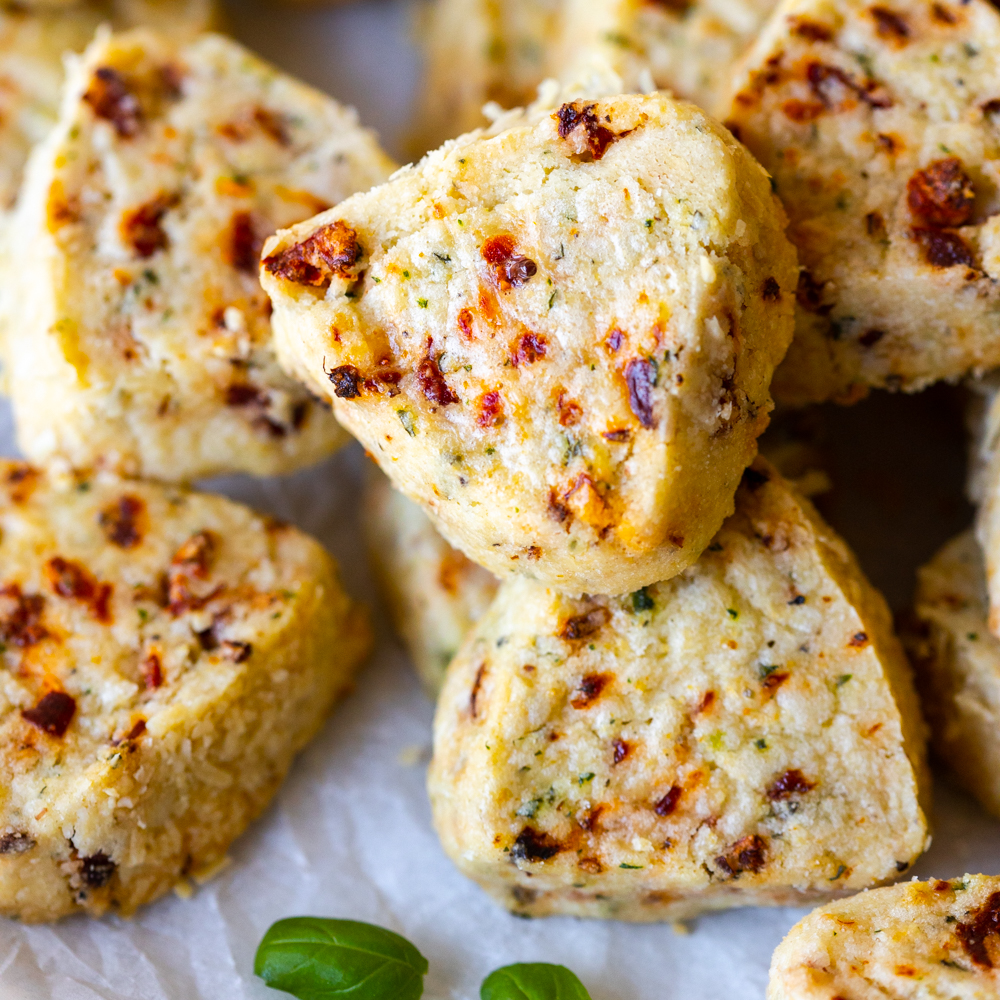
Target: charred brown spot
530, 347
875, 225
992, 107
245, 243
590, 689
834, 87
21, 478
871, 337
195, 555
810, 30
533, 845
803, 111
584, 626
97, 870
621, 748
597, 136
753, 479
672, 6
791, 783
942, 194
53, 713
668, 804
707, 701
859, 640
142, 229
235, 652
347, 382
510, 269
942, 15
773, 681
490, 409
331, 251
121, 521
809, 294
640, 377
432, 381
771, 291
943, 249
273, 124
981, 931
245, 394
111, 99
152, 671
477, 685
557, 509
71, 580
889, 24
465, 323
892, 144
138, 728
746, 855
21, 617
16, 842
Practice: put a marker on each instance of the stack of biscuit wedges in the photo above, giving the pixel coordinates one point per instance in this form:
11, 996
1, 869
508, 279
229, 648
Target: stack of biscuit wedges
664, 684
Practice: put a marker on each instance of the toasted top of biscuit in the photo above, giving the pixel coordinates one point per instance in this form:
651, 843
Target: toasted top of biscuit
877, 123
909, 942
126, 610
753, 718
142, 338
558, 338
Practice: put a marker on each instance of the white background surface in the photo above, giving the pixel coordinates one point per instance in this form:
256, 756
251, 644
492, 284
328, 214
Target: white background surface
350, 833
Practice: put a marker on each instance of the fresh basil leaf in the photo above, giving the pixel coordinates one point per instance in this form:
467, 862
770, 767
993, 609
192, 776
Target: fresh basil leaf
318, 959
533, 981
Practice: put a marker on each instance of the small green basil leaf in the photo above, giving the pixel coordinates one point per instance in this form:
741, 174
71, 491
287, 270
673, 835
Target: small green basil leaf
318, 959
533, 981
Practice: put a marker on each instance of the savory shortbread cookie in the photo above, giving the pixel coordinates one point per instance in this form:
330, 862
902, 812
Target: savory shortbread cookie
558, 338
743, 734
958, 666
433, 592
140, 336
876, 121
166, 654
480, 51
935, 940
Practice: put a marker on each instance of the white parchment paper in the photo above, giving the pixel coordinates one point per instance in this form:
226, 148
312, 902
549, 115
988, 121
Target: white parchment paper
350, 835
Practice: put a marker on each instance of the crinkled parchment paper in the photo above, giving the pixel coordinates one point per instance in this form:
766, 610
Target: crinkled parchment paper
350, 835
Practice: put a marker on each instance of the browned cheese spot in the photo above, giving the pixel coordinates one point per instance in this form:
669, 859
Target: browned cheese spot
981, 936
331, 251
791, 783
53, 713
71, 580
590, 689
141, 228
771, 292
942, 194
121, 521
111, 99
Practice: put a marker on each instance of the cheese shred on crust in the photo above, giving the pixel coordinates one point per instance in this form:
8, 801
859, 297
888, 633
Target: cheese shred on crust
743, 734
165, 654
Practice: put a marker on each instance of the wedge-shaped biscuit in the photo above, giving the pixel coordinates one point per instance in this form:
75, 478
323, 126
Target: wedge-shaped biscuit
167, 653
141, 339
434, 593
478, 51
558, 339
876, 121
958, 667
915, 941
743, 734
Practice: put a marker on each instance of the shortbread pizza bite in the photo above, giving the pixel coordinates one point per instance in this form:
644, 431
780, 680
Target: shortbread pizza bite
915, 941
167, 653
558, 338
433, 592
743, 734
141, 339
877, 123
957, 659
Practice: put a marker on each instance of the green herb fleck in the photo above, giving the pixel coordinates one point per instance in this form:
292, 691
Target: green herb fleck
840, 871
843, 679
733, 613
422, 303
623, 865
972, 636
761, 744
409, 424
764, 670
584, 778
641, 601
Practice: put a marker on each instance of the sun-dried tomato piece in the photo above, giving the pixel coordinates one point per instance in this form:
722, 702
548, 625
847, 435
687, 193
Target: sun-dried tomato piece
490, 409
534, 845
810, 30
510, 268
584, 626
330, 252
591, 688
346, 382
152, 671
53, 713
944, 249
530, 347
20, 617
597, 136
16, 842
110, 97
71, 580
889, 24
274, 124
977, 934
622, 748
245, 243
833, 86
668, 804
791, 783
142, 229
121, 521
196, 554
432, 380
746, 855
465, 323
640, 377
942, 194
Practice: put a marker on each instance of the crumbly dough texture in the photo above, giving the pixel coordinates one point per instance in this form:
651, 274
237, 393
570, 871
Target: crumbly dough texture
958, 666
433, 593
166, 654
480, 51
743, 734
934, 940
878, 124
141, 339
559, 344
